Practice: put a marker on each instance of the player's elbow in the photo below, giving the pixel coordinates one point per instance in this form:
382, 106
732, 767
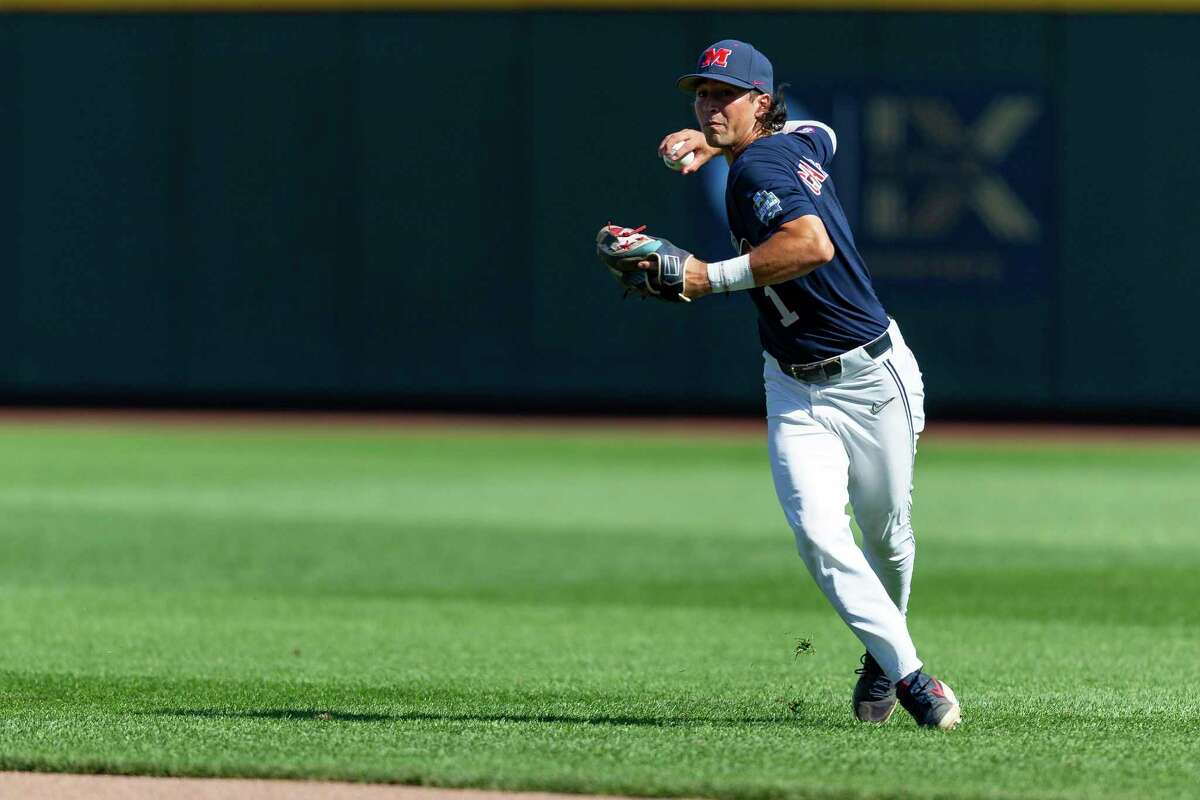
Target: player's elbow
803, 245
810, 255
811, 246
822, 251
818, 250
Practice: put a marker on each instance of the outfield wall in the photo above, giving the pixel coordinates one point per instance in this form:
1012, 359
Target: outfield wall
399, 207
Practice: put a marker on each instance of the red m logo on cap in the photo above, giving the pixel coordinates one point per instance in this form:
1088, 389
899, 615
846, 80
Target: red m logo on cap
714, 56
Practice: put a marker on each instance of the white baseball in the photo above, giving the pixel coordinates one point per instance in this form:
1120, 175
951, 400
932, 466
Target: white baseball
681, 163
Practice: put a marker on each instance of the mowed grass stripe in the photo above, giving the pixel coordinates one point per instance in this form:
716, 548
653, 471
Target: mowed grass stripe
593, 613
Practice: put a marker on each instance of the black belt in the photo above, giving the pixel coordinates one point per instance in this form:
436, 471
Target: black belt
831, 368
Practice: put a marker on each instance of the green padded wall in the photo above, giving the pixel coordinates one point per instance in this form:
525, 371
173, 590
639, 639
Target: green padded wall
399, 207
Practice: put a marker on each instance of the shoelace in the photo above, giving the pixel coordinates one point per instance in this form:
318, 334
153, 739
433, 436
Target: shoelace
880, 683
920, 688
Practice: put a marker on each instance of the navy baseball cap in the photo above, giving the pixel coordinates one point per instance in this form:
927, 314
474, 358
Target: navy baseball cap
733, 62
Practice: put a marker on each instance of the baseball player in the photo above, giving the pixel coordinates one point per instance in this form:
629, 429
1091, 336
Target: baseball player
843, 391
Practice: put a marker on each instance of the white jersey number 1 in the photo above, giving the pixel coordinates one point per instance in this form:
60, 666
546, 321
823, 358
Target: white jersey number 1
787, 315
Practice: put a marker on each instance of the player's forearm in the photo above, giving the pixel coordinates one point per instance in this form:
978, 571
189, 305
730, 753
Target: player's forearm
792, 252
789, 254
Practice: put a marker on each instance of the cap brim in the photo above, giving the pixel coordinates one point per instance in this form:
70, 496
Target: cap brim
688, 83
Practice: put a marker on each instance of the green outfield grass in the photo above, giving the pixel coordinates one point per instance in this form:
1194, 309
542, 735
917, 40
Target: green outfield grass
584, 612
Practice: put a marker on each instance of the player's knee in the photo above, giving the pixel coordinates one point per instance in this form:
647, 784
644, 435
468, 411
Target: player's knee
901, 545
890, 536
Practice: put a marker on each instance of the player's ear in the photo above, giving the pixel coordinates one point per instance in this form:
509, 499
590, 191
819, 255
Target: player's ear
762, 105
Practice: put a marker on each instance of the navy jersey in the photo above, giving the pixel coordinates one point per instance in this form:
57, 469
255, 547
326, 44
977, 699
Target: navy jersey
833, 308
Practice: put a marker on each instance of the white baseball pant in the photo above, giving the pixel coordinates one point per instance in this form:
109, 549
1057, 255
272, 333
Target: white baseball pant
852, 439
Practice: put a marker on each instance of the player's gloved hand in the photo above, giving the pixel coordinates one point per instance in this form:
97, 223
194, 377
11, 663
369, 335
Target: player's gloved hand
644, 265
678, 144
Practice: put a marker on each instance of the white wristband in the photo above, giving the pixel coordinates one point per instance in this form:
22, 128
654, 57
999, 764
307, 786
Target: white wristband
732, 275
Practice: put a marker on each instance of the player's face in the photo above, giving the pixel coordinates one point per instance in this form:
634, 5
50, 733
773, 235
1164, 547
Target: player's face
726, 113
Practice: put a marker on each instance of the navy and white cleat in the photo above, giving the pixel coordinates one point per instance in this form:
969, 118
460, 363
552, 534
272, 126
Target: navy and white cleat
874, 694
931, 702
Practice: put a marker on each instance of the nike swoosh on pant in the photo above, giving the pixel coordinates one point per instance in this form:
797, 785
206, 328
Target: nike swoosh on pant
877, 407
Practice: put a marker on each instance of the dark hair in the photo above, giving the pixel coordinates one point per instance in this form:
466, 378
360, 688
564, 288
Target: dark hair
777, 113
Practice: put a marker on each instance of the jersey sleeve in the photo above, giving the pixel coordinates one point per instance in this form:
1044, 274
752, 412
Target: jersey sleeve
768, 193
819, 136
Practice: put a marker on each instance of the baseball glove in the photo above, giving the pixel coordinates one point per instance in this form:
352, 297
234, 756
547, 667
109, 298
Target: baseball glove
622, 248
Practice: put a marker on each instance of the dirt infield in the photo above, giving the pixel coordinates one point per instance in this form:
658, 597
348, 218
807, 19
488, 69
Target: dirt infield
48, 786
471, 423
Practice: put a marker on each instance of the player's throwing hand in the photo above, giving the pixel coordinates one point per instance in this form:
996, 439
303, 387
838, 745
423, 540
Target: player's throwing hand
675, 146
